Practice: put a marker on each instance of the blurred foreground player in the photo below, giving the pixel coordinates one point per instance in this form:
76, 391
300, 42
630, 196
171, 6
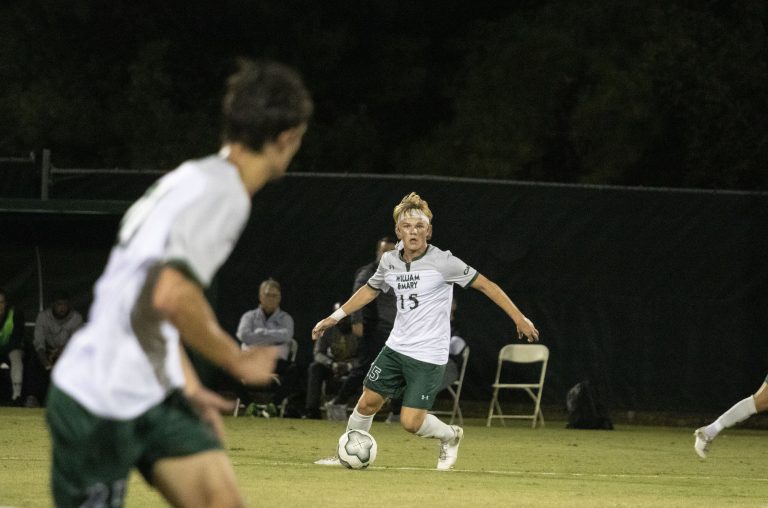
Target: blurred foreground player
124, 393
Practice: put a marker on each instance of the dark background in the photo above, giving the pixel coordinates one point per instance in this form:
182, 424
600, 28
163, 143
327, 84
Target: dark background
659, 296
656, 291
636, 92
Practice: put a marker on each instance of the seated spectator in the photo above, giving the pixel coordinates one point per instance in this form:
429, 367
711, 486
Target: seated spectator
53, 328
269, 325
12, 345
336, 353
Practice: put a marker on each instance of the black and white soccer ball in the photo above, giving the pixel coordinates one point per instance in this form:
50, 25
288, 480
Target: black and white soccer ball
357, 449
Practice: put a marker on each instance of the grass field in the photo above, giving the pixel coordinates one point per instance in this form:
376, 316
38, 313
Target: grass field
500, 466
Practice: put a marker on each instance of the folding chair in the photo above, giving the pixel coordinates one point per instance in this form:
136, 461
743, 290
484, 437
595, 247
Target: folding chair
455, 390
293, 349
520, 353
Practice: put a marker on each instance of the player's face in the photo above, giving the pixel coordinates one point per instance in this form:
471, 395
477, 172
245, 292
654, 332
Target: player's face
414, 233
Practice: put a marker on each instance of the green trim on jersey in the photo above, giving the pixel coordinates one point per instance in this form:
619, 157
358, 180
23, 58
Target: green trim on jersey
183, 267
472, 280
408, 263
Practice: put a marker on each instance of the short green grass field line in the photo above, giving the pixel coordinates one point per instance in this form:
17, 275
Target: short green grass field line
498, 466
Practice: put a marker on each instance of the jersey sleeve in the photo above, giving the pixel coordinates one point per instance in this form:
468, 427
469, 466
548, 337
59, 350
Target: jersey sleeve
205, 234
457, 271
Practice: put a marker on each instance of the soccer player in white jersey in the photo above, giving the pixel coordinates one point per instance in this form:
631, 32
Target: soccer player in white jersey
411, 364
742, 410
124, 393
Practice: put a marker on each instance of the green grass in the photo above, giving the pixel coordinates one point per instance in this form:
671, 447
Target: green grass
500, 466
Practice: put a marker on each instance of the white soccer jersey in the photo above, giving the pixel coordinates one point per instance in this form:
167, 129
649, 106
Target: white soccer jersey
424, 291
125, 360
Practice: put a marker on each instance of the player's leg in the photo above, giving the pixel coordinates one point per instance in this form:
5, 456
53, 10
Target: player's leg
736, 414
91, 456
202, 479
423, 384
761, 398
366, 408
183, 458
16, 357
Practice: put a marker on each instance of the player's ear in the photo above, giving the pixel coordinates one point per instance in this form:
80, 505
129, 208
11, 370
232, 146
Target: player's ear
429, 232
290, 138
397, 232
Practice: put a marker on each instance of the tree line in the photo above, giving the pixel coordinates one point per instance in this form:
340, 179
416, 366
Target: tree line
630, 92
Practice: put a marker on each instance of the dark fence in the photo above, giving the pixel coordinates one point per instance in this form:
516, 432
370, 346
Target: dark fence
659, 296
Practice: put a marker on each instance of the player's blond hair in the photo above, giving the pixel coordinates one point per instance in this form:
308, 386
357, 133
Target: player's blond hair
411, 202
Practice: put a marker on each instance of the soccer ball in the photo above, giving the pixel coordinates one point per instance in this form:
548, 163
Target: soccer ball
357, 449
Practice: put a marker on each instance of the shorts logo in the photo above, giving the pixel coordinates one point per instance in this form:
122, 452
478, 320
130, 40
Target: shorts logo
373, 373
425, 397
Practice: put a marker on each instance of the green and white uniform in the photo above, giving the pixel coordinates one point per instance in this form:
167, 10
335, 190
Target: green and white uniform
412, 362
116, 400
424, 291
125, 360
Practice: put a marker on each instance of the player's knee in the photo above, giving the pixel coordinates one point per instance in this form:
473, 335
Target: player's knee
410, 423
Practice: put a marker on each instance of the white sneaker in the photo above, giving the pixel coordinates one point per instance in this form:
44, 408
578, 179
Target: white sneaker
702, 443
329, 461
449, 450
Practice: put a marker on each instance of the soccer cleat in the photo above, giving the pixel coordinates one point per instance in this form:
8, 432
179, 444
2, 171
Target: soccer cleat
702, 443
449, 450
329, 461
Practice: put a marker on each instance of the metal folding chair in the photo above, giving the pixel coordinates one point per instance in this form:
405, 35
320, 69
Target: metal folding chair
521, 354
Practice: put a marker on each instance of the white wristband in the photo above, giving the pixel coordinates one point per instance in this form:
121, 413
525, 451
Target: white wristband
339, 314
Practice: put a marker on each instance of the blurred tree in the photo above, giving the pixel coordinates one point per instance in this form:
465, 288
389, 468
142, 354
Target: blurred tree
632, 92
653, 92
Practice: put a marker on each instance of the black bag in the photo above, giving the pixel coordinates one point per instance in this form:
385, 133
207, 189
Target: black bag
585, 411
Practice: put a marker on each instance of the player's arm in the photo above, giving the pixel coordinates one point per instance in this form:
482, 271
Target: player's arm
492, 290
181, 301
209, 404
362, 297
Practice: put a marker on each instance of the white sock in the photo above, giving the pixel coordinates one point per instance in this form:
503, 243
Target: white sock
17, 372
433, 427
358, 421
738, 413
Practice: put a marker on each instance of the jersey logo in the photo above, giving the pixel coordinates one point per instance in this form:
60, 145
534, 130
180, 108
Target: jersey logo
374, 372
466, 270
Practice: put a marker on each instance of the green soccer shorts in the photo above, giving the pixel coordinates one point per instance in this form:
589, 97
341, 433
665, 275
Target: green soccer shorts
93, 456
398, 376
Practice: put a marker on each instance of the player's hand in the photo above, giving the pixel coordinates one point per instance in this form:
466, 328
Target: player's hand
209, 406
527, 330
322, 326
256, 365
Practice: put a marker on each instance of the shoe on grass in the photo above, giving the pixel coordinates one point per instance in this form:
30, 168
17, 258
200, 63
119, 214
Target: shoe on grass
329, 461
449, 450
702, 443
